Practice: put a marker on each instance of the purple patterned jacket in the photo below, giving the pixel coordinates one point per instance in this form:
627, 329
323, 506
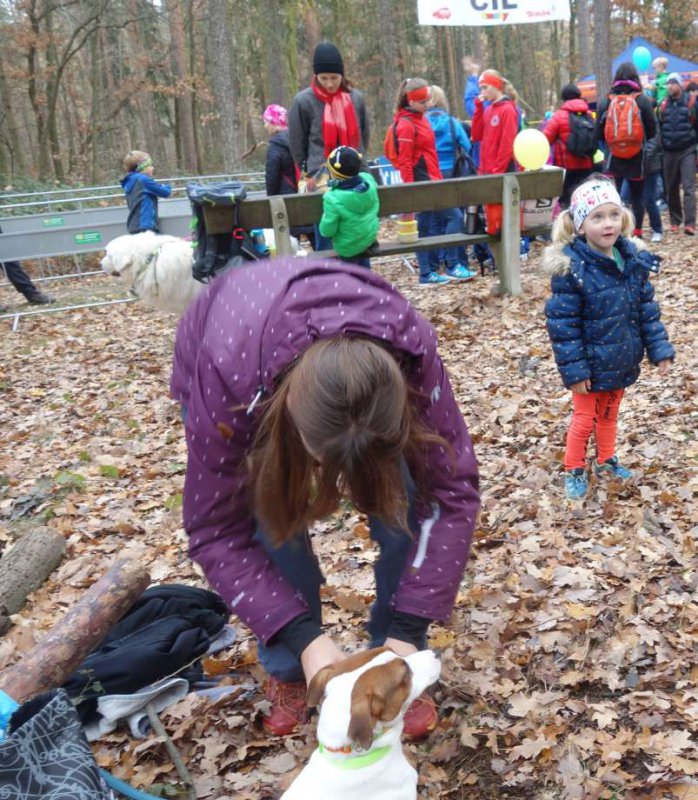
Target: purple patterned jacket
232, 342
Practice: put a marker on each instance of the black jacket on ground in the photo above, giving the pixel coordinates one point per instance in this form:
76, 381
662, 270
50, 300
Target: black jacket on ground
166, 629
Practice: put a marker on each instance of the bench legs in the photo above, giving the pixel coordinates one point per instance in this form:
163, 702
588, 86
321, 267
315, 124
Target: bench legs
507, 250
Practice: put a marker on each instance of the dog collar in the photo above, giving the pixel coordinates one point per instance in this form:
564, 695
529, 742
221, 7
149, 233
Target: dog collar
356, 761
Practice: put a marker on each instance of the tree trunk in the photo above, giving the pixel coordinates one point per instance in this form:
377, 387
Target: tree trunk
52, 86
223, 83
452, 72
36, 95
25, 567
390, 68
275, 88
183, 86
602, 47
16, 165
58, 654
583, 25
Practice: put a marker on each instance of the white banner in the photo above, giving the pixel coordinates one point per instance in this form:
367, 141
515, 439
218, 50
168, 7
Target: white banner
490, 12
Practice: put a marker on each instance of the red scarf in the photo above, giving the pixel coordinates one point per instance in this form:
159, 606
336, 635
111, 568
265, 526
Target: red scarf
339, 125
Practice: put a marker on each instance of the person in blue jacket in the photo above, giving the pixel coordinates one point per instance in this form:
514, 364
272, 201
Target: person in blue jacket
602, 318
450, 138
142, 192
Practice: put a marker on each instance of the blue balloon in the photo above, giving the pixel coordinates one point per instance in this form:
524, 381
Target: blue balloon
642, 58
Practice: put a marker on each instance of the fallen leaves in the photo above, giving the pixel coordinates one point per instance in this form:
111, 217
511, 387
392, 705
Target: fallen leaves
569, 661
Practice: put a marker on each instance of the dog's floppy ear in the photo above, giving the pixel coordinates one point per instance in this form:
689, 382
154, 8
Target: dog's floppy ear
378, 694
316, 688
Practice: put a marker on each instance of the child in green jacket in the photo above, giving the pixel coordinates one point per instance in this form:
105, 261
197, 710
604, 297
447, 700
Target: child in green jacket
349, 207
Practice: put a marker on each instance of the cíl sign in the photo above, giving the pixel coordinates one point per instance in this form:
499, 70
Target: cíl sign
490, 12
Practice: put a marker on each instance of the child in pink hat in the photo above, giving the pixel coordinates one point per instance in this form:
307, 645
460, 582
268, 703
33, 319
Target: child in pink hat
275, 116
281, 173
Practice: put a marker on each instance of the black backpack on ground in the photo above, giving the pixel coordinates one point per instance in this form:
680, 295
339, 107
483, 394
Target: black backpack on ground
582, 139
220, 241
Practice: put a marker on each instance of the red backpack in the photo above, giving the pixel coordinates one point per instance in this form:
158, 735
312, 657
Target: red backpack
390, 144
623, 131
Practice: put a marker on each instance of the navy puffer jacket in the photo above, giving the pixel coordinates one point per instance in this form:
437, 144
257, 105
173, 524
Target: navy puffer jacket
601, 320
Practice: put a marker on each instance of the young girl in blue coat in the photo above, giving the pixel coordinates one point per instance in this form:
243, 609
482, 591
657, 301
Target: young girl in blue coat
601, 319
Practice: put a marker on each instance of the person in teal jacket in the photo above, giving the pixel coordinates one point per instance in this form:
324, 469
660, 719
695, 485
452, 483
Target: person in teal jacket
349, 207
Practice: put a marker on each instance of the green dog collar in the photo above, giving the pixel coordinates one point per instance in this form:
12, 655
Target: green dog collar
357, 762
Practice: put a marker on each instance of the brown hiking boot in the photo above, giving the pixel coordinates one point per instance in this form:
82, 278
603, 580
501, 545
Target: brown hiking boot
288, 707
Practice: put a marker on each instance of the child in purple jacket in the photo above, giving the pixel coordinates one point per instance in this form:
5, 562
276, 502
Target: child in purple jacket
301, 382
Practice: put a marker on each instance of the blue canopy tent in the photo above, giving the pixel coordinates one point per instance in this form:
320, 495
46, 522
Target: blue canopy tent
687, 69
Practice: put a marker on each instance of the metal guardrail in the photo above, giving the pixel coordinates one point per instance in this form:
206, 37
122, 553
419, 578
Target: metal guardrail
85, 194
47, 235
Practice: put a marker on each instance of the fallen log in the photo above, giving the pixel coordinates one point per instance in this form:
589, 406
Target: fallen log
25, 567
58, 654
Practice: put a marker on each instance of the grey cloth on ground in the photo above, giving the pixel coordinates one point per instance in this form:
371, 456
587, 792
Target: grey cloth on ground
113, 709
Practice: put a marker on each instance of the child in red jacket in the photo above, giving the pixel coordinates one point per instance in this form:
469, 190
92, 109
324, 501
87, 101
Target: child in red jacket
495, 127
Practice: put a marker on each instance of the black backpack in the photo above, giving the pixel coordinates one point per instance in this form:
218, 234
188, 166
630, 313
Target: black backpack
582, 139
220, 241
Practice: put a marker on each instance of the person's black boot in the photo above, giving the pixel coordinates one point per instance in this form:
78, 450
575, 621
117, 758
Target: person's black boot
40, 299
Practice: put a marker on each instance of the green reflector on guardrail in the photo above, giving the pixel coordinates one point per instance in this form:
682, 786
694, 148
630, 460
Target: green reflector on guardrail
53, 222
88, 237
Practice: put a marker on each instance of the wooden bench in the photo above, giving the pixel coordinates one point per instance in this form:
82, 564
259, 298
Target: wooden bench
285, 211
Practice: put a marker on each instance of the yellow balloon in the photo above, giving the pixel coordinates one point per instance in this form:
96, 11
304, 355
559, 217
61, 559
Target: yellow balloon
598, 157
531, 148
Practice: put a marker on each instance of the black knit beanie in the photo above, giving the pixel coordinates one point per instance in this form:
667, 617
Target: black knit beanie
343, 162
327, 58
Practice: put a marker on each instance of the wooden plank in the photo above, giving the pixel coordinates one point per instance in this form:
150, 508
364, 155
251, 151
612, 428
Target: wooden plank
427, 243
306, 209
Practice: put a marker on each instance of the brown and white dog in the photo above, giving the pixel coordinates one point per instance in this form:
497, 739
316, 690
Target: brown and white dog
359, 753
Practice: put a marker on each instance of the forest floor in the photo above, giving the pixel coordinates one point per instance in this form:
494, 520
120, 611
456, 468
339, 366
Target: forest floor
569, 663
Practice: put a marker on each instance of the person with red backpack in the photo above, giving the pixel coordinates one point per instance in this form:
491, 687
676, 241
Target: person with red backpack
410, 145
625, 122
571, 132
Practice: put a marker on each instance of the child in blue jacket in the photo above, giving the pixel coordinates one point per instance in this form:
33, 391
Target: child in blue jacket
602, 318
142, 192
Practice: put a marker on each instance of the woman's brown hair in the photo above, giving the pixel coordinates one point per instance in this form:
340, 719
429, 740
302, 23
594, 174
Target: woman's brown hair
341, 422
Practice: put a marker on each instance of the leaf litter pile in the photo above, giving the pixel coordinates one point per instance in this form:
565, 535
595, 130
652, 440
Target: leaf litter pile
569, 663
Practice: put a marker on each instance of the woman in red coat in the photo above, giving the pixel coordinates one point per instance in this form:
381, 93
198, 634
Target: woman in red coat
495, 126
557, 131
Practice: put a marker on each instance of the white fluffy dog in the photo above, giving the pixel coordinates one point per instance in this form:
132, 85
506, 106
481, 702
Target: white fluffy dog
359, 753
156, 268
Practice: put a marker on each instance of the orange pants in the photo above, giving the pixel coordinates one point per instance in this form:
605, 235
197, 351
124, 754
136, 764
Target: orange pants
597, 413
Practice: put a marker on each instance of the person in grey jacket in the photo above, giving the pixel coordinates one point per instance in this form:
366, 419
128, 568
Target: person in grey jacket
327, 114
303, 381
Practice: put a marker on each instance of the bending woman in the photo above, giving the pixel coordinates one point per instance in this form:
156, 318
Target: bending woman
302, 383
